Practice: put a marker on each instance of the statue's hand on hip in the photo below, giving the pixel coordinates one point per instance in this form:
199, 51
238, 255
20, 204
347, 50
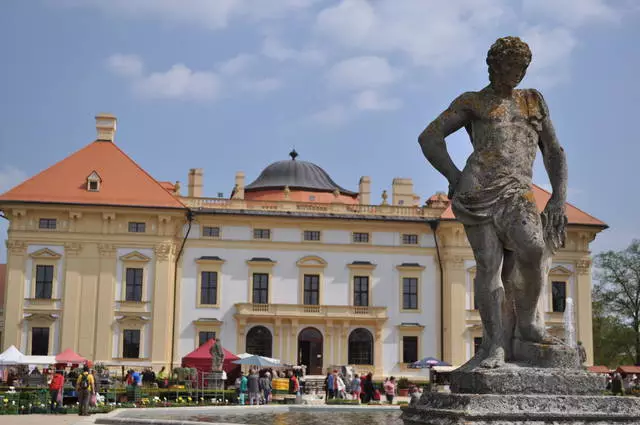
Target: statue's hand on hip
453, 185
554, 224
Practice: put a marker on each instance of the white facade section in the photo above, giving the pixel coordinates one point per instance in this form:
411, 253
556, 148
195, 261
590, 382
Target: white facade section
234, 282
286, 235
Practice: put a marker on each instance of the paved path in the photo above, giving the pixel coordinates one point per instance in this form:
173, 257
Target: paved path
49, 419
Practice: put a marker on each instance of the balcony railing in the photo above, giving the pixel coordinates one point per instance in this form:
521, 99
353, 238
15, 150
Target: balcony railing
301, 310
312, 207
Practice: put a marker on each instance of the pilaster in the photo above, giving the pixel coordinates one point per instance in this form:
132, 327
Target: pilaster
162, 303
103, 344
377, 352
72, 299
277, 340
14, 298
293, 342
454, 311
584, 314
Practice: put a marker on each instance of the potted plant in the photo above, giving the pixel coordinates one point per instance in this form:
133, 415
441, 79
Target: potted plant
403, 387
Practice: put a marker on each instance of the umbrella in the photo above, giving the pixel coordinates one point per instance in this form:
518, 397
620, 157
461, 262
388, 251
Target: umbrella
428, 362
257, 361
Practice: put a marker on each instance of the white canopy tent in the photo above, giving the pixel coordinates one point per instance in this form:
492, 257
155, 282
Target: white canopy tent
11, 356
246, 355
39, 360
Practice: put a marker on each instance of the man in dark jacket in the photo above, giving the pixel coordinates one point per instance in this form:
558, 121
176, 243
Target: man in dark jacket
254, 388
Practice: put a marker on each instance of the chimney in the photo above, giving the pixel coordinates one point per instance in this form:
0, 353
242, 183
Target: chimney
106, 127
402, 193
365, 190
194, 189
238, 188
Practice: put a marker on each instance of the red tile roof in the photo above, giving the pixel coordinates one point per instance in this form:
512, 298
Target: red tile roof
574, 215
123, 182
3, 276
628, 369
598, 369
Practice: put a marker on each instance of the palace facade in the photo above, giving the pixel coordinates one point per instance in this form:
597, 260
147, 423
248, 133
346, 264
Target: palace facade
126, 270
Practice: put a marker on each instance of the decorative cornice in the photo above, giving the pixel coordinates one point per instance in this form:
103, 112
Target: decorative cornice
583, 266
72, 248
45, 253
107, 250
410, 267
16, 247
311, 261
135, 256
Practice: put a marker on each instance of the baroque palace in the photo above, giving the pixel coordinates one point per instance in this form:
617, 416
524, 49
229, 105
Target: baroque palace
127, 270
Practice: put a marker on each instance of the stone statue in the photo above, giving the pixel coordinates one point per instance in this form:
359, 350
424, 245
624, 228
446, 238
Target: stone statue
217, 356
492, 197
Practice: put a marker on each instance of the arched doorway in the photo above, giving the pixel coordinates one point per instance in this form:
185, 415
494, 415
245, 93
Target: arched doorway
360, 347
310, 350
259, 341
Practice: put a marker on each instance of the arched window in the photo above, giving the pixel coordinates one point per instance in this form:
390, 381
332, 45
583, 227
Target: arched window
361, 347
259, 341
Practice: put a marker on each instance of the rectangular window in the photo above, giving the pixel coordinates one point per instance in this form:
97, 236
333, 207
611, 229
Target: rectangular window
136, 227
311, 235
311, 289
559, 296
261, 234
409, 349
47, 223
205, 336
211, 232
409, 239
477, 343
209, 288
39, 341
134, 285
131, 344
359, 237
361, 291
409, 293
260, 288
44, 281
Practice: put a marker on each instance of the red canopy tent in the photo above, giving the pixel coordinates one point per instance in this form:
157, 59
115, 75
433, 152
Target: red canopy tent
201, 358
70, 356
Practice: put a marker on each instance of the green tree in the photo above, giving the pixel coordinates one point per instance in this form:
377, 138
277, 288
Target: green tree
617, 304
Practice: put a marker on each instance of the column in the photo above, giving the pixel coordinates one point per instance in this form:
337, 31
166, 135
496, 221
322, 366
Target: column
328, 358
293, 342
454, 307
103, 350
85, 261
241, 340
344, 343
162, 304
584, 314
377, 353
14, 298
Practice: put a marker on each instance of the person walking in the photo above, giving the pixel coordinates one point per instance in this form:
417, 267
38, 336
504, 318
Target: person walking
243, 388
85, 386
355, 387
265, 386
368, 388
390, 389
254, 388
55, 391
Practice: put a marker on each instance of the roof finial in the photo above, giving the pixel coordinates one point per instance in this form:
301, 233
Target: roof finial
293, 154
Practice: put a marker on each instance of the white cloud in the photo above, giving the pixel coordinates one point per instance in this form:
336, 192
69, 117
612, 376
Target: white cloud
370, 100
429, 33
362, 72
179, 82
10, 176
551, 49
274, 49
125, 65
333, 115
210, 14
237, 64
571, 12
260, 85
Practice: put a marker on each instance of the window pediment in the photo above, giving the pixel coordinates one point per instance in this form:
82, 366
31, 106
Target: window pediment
132, 320
41, 317
560, 271
135, 256
46, 254
410, 267
311, 261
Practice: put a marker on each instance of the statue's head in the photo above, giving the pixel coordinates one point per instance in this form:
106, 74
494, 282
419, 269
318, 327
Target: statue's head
508, 59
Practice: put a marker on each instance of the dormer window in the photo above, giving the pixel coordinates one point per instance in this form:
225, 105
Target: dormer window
93, 182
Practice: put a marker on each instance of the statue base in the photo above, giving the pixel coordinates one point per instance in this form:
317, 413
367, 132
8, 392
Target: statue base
514, 379
545, 355
521, 409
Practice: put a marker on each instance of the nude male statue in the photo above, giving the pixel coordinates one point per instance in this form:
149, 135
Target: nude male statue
492, 197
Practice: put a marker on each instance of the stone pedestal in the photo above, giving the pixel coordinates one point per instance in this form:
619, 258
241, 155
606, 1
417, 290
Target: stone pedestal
515, 395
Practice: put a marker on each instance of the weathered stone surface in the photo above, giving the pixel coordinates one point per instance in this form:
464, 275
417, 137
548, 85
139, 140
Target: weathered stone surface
489, 409
511, 379
545, 355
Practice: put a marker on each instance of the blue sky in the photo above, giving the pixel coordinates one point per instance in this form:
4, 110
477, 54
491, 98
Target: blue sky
230, 85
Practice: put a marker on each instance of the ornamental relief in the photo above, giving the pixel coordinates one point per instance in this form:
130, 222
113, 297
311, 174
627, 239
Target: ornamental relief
16, 247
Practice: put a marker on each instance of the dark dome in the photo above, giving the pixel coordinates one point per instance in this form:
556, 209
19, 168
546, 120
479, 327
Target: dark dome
297, 175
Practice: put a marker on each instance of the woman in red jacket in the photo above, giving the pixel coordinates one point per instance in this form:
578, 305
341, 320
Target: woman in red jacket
55, 389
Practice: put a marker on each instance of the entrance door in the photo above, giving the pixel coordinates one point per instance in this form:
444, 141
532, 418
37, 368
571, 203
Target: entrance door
310, 350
